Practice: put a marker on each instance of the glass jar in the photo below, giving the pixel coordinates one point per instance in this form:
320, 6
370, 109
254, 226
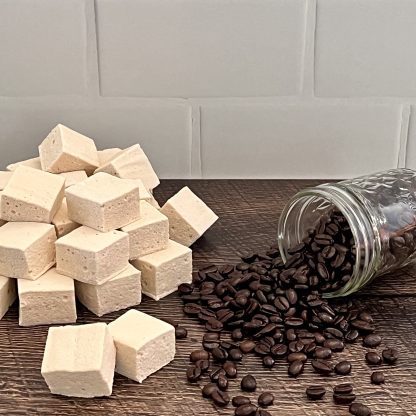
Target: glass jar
381, 212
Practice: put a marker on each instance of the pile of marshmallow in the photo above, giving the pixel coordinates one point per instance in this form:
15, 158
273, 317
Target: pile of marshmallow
80, 223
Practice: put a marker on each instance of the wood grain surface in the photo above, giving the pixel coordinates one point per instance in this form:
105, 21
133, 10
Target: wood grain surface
249, 212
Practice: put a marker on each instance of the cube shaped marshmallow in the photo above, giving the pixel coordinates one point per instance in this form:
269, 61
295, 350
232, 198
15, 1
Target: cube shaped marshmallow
104, 202
144, 344
163, 271
91, 256
4, 179
132, 163
27, 249
33, 163
72, 178
31, 195
7, 294
189, 217
120, 292
79, 360
47, 300
148, 234
65, 150
63, 225
105, 155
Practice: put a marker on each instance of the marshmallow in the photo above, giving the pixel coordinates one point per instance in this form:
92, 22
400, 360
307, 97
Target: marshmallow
148, 234
163, 271
91, 256
71, 178
4, 179
33, 163
104, 202
31, 195
132, 163
63, 225
79, 360
65, 150
144, 344
7, 294
47, 300
189, 217
27, 249
120, 292
105, 155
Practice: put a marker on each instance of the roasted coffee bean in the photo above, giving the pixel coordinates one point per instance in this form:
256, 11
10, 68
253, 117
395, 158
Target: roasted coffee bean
344, 398
373, 358
235, 354
238, 401
192, 309
237, 334
213, 325
248, 383
278, 350
390, 355
296, 356
220, 398
219, 354
365, 316
334, 344
377, 377
268, 361
333, 333
344, 388
323, 353
265, 399
343, 368
245, 410
247, 346
209, 389
295, 368
209, 346
359, 409
199, 355
185, 289
230, 369
315, 392
372, 341
215, 374
203, 365
363, 326
180, 332
351, 335
222, 382
321, 367
294, 322
193, 374
211, 336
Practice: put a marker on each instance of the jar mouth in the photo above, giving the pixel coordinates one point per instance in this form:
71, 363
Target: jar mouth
291, 229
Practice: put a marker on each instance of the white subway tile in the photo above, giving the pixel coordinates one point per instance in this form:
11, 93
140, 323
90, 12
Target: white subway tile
302, 140
162, 129
365, 48
42, 47
191, 48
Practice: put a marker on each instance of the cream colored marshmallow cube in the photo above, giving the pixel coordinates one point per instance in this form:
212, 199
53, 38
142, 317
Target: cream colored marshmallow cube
47, 300
72, 178
27, 249
30, 163
144, 344
7, 294
31, 195
104, 202
132, 163
189, 217
163, 271
120, 292
148, 234
4, 179
91, 256
79, 360
105, 155
65, 150
63, 225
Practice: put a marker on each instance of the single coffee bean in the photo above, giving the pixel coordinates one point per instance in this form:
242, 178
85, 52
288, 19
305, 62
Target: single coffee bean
209, 389
351, 335
219, 354
363, 326
377, 377
295, 368
248, 383
344, 388
265, 399
390, 355
220, 398
213, 325
247, 346
372, 341
222, 382
268, 361
211, 337
193, 374
359, 409
235, 354
343, 368
230, 369
245, 410
240, 400
296, 356
237, 334
278, 350
321, 367
199, 355
203, 365
334, 344
344, 398
315, 392
215, 374
373, 358
323, 353
180, 332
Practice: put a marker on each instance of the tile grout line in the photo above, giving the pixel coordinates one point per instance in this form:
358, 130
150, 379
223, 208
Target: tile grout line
93, 76
404, 136
195, 154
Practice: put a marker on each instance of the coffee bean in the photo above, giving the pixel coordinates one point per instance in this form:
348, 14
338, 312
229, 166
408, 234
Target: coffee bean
377, 377
295, 368
214, 325
315, 392
344, 388
390, 355
216, 373
199, 355
203, 365
211, 336
344, 398
180, 332
222, 382
209, 389
247, 346
343, 368
373, 358
237, 334
359, 409
334, 344
220, 398
321, 367
230, 369
296, 356
240, 400
363, 326
245, 410
323, 353
185, 289
219, 354
248, 383
193, 374
372, 341
266, 399
268, 361
278, 350
351, 335
192, 309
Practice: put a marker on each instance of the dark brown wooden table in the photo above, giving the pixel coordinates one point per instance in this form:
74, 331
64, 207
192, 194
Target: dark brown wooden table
249, 211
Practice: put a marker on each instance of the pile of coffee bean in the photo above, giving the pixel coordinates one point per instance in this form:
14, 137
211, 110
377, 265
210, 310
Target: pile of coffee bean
276, 311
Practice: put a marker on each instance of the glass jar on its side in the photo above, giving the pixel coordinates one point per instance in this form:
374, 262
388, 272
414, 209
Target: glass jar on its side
381, 212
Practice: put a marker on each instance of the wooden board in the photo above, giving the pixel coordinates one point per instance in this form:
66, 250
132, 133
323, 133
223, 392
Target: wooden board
249, 211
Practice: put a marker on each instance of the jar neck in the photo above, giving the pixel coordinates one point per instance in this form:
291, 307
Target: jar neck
362, 221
